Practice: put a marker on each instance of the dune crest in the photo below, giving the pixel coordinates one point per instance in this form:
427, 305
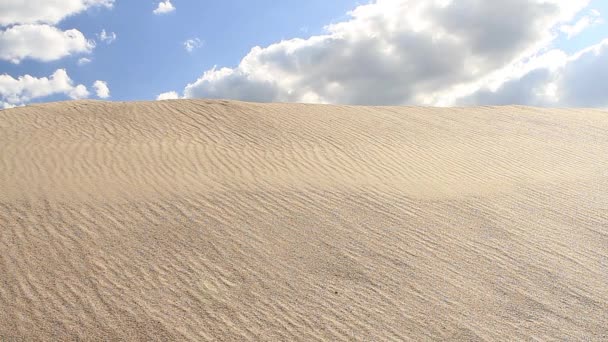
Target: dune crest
212, 219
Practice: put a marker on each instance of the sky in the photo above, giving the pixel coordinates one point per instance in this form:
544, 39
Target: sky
550, 53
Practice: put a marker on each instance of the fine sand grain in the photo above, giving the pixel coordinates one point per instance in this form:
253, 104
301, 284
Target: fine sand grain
222, 220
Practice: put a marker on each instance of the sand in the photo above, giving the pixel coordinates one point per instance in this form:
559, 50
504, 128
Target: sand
223, 220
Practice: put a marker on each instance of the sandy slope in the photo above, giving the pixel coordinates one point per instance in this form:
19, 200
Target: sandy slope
237, 221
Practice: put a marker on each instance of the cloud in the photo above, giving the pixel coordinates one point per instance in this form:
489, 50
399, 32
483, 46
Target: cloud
107, 38
6, 105
193, 43
41, 42
170, 95
572, 81
83, 61
101, 89
582, 82
17, 91
164, 7
397, 52
233, 84
79, 92
531, 89
44, 11
29, 30
583, 23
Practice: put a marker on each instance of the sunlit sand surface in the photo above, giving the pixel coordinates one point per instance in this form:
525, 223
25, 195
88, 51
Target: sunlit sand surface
223, 220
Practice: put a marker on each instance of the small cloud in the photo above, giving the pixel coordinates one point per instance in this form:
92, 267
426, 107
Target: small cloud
192, 43
594, 18
170, 95
164, 7
107, 38
101, 89
79, 92
83, 61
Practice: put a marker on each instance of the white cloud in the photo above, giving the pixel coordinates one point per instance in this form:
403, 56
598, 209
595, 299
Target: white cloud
101, 89
83, 61
164, 7
29, 30
107, 38
192, 43
6, 105
17, 91
79, 92
29, 33
399, 52
44, 11
594, 18
170, 95
41, 42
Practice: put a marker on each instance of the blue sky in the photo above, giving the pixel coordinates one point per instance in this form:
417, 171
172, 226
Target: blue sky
591, 35
354, 61
148, 56
150, 47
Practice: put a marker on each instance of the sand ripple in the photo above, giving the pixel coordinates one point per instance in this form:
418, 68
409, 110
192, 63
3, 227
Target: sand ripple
222, 220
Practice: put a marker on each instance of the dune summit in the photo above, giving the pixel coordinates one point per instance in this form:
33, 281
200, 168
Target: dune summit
224, 220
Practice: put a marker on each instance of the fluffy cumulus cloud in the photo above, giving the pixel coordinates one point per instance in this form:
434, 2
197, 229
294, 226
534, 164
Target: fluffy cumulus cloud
78, 92
17, 91
170, 95
41, 42
27, 29
44, 11
164, 7
101, 89
436, 52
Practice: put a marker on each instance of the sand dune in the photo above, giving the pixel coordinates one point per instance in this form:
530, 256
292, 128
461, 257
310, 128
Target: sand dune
222, 220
